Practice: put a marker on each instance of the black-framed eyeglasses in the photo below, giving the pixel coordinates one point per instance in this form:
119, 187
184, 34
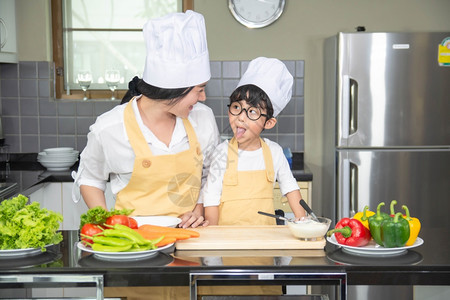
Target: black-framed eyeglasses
253, 113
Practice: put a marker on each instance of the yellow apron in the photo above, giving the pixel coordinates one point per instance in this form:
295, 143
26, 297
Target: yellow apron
159, 185
164, 184
241, 208
243, 194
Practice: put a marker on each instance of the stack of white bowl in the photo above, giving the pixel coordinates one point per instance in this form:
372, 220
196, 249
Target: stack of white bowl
58, 159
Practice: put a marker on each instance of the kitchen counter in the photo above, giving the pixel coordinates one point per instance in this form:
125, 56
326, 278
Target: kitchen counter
428, 264
26, 173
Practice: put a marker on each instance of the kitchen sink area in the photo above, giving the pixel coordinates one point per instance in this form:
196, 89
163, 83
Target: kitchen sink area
7, 188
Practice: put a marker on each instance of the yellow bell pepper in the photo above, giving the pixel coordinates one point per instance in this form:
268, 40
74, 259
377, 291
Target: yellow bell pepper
363, 216
414, 227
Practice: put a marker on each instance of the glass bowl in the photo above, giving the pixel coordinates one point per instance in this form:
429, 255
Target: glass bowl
308, 229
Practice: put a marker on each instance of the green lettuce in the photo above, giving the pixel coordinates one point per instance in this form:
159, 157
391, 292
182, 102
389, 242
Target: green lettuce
27, 226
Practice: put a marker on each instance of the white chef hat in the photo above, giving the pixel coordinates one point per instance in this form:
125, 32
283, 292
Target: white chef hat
272, 76
177, 51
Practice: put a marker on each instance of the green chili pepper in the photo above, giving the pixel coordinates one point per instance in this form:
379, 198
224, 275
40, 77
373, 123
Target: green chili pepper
124, 234
132, 232
156, 241
109, 241
112, 241
105, 248
375, 222
137, 248
150, 246
395, 231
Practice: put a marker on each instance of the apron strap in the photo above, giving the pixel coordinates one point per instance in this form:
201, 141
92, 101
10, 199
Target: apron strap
231, 175
134, 133
192, 137
139, 143
270, 173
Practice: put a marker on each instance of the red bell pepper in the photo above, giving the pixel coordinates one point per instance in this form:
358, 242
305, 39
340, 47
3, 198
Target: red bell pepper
350, 232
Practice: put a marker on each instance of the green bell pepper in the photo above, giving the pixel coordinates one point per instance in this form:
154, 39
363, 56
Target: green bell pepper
375, 222
395, 231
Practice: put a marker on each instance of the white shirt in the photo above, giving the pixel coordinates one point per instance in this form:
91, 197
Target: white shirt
247, 160
108, 153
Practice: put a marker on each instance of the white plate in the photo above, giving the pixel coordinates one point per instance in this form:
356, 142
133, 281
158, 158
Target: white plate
122, 255
20, 252
373, 249
59, 154
58, 150
57, 158
157, 220
59, 169
57, 166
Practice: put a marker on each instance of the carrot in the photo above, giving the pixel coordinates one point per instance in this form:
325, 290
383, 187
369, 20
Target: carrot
150, 235
162, 229
166, 241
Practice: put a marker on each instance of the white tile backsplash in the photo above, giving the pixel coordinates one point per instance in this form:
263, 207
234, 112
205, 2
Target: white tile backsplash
26, 91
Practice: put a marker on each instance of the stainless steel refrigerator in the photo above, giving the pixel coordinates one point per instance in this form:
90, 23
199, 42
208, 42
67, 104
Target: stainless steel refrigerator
387, 128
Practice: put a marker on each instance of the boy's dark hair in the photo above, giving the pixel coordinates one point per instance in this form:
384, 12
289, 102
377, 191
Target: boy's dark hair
254, 96
138, 86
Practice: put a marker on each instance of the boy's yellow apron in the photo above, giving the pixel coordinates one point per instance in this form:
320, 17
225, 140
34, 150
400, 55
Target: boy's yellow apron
159, 185
243, 194
246, 192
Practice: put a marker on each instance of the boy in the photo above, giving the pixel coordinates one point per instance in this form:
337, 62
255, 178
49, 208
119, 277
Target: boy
244, 170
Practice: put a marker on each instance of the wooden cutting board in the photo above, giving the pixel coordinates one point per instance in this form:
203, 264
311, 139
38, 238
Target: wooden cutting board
246, 237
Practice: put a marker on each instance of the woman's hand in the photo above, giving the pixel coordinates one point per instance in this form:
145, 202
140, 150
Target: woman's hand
193, 218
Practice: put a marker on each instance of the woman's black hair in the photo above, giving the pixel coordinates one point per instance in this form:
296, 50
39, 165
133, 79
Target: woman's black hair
138, 86
254, 96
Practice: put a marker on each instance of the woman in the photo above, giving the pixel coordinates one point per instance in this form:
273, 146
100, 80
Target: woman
154, 149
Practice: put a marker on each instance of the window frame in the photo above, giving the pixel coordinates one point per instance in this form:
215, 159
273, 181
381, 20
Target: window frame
58, 57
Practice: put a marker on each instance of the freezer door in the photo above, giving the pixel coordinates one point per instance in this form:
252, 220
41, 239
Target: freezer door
417, 179
391, 91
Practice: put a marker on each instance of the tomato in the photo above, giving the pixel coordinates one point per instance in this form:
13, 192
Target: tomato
89, 230
133, 223
118, 219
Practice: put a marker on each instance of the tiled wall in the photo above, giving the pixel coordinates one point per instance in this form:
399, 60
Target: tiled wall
33, 120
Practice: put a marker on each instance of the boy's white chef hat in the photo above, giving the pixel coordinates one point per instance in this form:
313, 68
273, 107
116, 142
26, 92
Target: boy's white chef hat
272, 76
177, 51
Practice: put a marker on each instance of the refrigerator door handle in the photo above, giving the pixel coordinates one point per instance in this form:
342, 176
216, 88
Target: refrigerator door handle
347, 189
353, 189
343, 189
353, 122
345, 110
349, 106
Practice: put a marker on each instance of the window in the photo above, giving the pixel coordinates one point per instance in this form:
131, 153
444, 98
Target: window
102, 35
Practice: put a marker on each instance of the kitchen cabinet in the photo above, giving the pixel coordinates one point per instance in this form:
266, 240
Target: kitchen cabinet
8, 39
281, 202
